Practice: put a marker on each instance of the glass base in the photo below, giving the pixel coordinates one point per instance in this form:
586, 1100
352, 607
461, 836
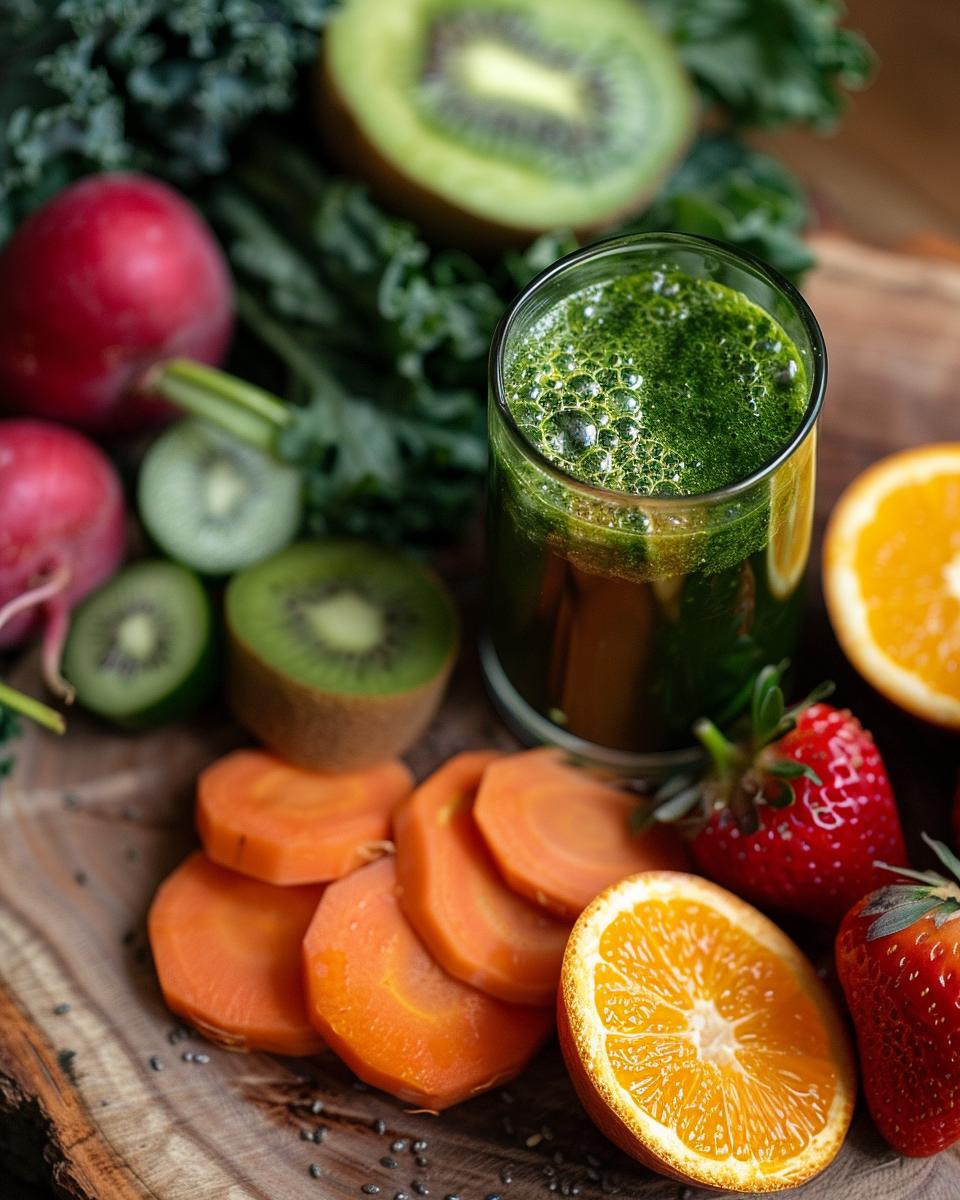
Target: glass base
535, 730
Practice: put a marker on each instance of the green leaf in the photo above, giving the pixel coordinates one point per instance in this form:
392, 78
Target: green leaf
788, 768
946, 855
901, 917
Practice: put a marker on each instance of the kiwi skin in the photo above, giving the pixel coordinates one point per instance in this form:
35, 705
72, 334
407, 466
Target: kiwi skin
443, 222
327, 731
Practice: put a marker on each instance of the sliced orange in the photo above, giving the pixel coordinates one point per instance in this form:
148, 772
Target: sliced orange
891, 575
700, 1039
792, 494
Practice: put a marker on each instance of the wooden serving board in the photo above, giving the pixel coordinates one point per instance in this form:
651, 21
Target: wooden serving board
89, 826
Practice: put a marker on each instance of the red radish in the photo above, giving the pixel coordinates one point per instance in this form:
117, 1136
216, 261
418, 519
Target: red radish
114, 273
61, 533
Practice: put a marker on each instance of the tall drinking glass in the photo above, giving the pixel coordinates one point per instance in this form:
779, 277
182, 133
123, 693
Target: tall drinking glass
616, 619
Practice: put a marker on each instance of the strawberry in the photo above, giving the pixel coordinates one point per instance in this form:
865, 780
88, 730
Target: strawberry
898, 958
794, 815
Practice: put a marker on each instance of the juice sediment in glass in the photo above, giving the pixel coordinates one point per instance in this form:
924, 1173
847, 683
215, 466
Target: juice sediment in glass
651, 482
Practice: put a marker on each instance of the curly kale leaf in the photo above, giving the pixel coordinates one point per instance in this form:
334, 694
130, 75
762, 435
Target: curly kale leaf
768, 62
161, 85
382, 342
728, 191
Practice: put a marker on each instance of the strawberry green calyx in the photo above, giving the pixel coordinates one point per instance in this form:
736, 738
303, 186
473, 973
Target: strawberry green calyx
926, 894
745, 770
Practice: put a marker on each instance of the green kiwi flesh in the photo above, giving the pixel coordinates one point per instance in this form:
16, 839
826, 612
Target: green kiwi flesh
493, 120
141, 649
213, 503
339, 652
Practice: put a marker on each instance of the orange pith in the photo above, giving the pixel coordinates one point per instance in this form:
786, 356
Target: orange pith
892, 579
700, 1038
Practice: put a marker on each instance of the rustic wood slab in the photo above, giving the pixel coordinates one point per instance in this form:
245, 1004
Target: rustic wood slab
90, 825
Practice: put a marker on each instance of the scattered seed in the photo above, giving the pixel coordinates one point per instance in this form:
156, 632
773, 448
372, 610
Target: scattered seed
558, 1159
507, 1097
187, 1056
421, 1161
71, 800
65, 1060
129, 937
508, 1127
388, 1162
398, 1145
130, 813
379, 1126
320, 1133
506, 1175
552, 1185
564, 1189
202, 1059
80, 877
493, 1196
132, 854
306, 1135
314, 1170
547, 1132
592, 1160
401, 1196
370, 1189
316, 1107
419, 1146
61, 1009
574, 1189
156, 1064
593, 1174
533, 1140
140, 955
549, 1170
451, 1196
420, 1187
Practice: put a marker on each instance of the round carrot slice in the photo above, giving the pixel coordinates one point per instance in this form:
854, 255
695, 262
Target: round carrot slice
227, 952
452, 894
560, 835
397, 1019
265, 818
700, 1039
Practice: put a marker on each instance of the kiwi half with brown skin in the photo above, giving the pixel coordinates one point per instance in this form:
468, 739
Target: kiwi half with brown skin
490, 121
339, 652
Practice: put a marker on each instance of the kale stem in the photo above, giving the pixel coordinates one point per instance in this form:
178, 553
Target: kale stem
35, 710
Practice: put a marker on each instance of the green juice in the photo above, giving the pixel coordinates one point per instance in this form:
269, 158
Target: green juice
623, 609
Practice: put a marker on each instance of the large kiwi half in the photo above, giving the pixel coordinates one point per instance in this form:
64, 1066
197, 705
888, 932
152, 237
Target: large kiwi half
213, 503
490, 121
141, 648
339, 652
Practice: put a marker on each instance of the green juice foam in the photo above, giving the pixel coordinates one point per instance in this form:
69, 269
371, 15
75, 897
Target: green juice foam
657, 383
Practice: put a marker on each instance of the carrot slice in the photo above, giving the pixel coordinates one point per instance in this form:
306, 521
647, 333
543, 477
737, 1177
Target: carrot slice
397, 1019
227, 951
560, 835
452, 894
265, 818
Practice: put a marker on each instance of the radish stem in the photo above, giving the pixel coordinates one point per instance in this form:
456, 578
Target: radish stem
35, 710
52, 586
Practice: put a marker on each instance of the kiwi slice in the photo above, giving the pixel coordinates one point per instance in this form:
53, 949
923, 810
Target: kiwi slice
339, 652
141, 648
214, 503
490, 121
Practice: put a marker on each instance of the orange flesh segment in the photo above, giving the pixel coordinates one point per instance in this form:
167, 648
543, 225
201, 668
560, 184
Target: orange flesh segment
265, 818
474, 925
560, 835
396, 1017
907, 561
227, 953
709, 1033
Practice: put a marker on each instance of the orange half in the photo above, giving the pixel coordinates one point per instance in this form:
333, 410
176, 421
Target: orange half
700, 1039
891, 577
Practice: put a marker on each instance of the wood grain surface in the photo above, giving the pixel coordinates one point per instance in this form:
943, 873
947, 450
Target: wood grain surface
89, 826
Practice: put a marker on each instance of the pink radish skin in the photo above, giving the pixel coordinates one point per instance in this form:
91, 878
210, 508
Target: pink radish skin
113, 274
62, 532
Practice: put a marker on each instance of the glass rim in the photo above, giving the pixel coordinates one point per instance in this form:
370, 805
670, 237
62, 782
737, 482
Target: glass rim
735, 255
